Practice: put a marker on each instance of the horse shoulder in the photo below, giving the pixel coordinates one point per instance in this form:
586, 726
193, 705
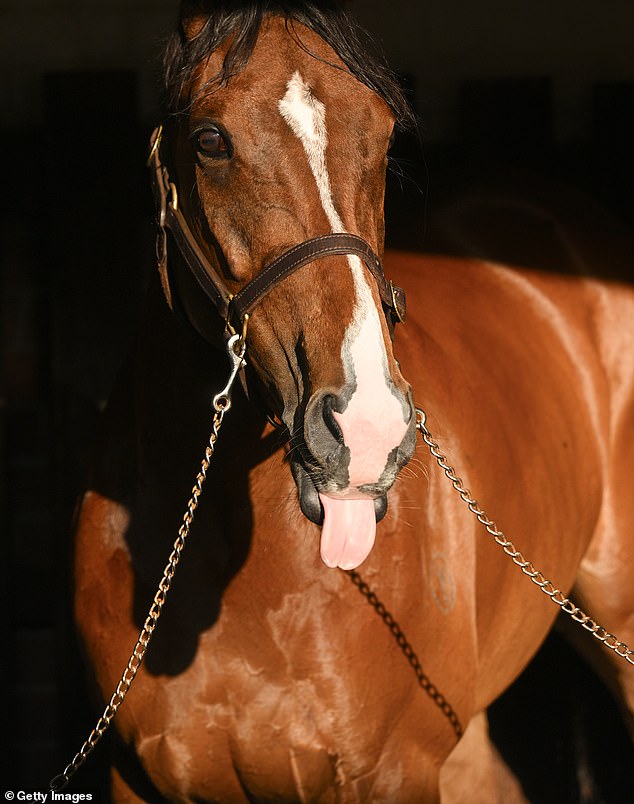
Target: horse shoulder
508, 367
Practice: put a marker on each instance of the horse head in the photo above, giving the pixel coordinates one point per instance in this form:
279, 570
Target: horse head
279, 134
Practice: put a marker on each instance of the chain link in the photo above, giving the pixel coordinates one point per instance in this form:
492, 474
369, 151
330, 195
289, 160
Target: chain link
547, 587
424, 681
221, 404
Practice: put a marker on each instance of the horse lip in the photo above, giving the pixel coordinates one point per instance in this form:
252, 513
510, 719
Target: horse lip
380, 506
309, 500
310, 503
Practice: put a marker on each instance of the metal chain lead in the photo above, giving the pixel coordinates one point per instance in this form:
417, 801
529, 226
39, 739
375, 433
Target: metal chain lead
221, 404
547, 587
423, 679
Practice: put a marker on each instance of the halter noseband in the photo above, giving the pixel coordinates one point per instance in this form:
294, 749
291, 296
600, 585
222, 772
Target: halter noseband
234, 308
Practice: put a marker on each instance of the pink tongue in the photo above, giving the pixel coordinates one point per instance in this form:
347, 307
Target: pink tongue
348, 532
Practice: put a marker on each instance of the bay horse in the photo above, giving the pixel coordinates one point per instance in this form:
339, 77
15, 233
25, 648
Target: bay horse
270, 678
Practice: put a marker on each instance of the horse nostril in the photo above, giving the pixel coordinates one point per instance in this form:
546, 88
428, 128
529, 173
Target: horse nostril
323, 438
329, 419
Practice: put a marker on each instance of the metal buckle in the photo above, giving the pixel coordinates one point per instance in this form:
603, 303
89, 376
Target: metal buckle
229, 326
398, 302
156, 143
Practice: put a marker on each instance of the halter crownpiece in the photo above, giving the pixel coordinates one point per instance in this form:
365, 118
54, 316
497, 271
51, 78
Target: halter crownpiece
234, 309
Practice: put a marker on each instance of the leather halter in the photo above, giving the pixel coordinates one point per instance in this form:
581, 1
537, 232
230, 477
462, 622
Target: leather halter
234, 308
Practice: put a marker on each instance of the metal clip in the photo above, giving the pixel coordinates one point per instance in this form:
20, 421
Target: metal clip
222, 400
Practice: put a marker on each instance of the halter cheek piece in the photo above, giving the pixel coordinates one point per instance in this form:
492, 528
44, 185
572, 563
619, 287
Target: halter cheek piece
235, 309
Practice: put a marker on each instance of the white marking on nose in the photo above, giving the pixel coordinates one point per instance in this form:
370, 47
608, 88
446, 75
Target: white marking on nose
373, 422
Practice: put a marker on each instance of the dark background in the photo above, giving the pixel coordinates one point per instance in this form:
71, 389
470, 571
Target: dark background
511, 95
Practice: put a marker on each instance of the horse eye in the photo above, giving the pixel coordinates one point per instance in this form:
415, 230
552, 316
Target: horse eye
210, 142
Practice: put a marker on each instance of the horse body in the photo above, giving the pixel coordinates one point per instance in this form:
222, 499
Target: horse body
270, 677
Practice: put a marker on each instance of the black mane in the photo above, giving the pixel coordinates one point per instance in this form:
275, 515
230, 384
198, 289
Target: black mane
242, 19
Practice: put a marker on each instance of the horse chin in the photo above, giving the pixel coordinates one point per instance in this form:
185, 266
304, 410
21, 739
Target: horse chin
348, 522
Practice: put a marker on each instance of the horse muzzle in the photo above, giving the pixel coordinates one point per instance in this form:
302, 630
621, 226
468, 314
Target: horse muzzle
343, 476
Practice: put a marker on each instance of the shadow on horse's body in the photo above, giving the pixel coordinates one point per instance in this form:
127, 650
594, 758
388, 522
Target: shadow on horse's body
270, 678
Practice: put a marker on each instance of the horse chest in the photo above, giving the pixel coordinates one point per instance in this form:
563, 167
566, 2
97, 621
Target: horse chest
288, 704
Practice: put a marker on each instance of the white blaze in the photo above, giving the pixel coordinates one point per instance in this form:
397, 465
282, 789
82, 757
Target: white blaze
307, 118
372, 423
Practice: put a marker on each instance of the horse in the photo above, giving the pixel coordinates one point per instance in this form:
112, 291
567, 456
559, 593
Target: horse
270, 677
